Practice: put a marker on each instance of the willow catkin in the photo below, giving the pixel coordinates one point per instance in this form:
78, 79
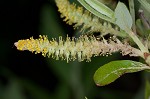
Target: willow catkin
80, 17
82, 48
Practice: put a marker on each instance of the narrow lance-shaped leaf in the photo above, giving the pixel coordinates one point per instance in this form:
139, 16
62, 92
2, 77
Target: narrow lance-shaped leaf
145, 4
113, 70
95, 12
123, 17
100, 7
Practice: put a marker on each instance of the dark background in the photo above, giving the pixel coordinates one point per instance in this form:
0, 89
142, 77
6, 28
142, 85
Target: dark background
24, 75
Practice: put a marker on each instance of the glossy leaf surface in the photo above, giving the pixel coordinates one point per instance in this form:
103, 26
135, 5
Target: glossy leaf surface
113, 70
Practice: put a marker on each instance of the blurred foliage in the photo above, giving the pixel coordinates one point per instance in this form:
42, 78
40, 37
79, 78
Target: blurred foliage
147, 90
29, 76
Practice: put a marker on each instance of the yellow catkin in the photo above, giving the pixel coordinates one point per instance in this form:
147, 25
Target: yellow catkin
82, 48
80, 17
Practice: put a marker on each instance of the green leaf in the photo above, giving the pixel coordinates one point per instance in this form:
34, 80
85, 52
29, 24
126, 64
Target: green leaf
113, 70
102, 11
123, 17
147, 90
100, 7
145, 4
140, 27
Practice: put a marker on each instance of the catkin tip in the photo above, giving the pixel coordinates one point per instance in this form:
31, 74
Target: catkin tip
16, 43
